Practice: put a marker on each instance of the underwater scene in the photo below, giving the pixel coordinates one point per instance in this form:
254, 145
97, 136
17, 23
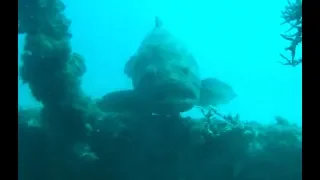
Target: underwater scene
159, 90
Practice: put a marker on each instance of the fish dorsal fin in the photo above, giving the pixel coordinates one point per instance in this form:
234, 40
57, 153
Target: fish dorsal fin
158, 22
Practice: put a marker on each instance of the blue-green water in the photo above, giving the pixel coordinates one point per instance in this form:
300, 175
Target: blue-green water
236, 41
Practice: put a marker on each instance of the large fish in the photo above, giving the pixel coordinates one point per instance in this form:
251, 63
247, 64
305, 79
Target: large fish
164, 74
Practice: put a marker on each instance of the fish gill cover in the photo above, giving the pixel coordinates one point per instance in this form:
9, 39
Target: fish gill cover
71, 137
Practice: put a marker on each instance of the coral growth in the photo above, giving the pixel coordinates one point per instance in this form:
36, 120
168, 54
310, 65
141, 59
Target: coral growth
52, 71
292, 16
140, 146
38, 16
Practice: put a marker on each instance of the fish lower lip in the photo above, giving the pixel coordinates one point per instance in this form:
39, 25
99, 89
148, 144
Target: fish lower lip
184, 91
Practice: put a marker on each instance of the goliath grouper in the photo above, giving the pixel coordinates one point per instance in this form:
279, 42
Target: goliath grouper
165, 78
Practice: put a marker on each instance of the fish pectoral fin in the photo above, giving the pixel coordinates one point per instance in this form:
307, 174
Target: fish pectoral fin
215, 92
119, 101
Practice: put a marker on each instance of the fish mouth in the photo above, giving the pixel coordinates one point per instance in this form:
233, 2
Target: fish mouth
183, 92
178, 96
180, 90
